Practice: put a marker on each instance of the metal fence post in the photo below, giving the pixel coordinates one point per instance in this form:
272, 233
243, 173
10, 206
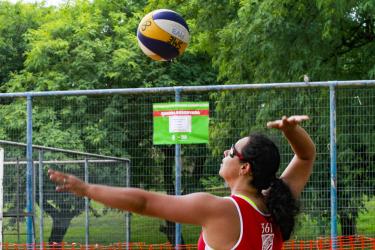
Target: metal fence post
29, 173
178, 175
18, 199
1, 191
87, 208
41, 220
128, 214
332, 116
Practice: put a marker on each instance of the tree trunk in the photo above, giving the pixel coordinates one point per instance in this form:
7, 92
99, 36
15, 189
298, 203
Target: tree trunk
348, 224
60, 220
59, 227
169, 229
198, 172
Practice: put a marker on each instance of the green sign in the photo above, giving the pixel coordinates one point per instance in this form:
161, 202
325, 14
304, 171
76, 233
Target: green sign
180, 122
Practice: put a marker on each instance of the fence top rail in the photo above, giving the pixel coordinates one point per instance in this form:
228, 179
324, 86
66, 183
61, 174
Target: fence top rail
65, 151
17, 162
191, 88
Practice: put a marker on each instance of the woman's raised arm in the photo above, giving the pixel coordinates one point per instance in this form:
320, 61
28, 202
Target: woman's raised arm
300, 168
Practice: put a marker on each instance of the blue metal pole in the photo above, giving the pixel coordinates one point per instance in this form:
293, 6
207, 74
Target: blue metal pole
29, 172
332, 101
128, 214
87, 207
178, 175
41, 220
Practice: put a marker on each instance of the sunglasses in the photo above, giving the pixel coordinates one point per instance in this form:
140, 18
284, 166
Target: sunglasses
233, 152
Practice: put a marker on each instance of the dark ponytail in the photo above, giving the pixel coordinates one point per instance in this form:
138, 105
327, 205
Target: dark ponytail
264, 157
283, 207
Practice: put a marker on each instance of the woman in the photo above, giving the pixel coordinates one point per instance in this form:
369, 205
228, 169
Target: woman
259, 214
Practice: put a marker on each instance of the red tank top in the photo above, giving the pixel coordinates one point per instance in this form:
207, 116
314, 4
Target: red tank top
258, 231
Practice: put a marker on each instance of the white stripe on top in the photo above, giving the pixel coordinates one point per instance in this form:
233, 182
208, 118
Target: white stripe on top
207, 247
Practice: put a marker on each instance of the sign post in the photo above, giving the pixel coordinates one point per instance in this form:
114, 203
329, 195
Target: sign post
180, 123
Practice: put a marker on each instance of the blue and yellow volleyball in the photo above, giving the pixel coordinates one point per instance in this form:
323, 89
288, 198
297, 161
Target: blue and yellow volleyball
163, 35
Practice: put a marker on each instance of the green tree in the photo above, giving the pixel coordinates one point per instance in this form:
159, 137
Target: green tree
15, 20
87, 45
280, 41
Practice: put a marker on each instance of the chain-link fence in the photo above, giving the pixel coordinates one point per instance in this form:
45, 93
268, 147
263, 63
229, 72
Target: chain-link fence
121, 125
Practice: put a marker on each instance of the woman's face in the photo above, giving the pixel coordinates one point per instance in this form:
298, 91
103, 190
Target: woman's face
230, 166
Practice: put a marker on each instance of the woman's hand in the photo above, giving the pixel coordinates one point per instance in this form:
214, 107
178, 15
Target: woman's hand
68, 183
287, 123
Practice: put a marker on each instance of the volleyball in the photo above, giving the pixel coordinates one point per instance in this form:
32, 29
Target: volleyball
163, 35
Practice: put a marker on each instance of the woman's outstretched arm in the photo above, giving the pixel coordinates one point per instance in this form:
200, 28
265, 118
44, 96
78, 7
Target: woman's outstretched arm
196, 208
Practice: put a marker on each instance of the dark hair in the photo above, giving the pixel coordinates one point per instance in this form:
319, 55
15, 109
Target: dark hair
264, 157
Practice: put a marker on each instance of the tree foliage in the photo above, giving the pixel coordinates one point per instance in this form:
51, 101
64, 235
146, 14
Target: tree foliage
92, 45
83, 45
280, 41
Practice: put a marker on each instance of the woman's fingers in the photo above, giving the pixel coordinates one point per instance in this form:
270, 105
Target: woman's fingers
298, 118
56, 176
274, 124
286, 122
67, 183
61, 180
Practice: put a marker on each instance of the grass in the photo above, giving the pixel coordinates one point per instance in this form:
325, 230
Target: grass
310, 228
107, 229
366, 220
